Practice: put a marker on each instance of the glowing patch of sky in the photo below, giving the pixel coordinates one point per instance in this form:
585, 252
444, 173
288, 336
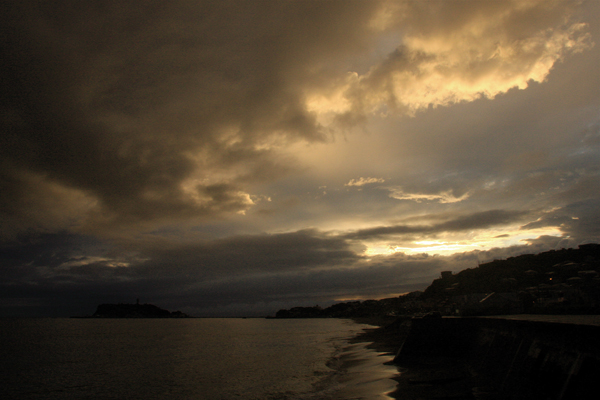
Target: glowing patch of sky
484, 240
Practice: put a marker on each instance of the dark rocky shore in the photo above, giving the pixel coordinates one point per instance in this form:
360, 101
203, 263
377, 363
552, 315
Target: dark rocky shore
438, 376
516, 357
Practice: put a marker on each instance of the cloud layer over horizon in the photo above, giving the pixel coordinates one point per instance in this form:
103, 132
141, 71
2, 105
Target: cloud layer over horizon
237, 157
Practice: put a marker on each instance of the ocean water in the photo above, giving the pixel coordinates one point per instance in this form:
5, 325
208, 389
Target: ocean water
189, 359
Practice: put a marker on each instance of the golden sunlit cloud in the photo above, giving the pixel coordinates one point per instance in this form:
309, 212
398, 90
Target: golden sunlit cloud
483, 57
333, 99
364, 181
442, 197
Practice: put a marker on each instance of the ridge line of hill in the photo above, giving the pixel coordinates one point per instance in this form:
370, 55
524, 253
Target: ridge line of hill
565, 281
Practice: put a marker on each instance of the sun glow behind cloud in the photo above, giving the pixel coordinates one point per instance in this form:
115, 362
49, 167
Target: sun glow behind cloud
481, 240
296, 143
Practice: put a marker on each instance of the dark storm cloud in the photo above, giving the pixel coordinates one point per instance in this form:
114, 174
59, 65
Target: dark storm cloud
219, 278
249, 275
60, 269
480, 220
307, 249
188, 144
380, 276
388, 276
579, 220
159, 110
77, 257
152, 112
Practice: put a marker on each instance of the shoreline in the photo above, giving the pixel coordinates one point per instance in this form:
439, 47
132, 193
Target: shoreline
496, 357
436, 377
360, 373
360, 366
385, 338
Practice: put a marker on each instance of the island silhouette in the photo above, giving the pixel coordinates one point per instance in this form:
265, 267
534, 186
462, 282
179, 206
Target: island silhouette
136, 310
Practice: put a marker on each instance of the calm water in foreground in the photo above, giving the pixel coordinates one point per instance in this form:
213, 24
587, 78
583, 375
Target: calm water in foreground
188, 359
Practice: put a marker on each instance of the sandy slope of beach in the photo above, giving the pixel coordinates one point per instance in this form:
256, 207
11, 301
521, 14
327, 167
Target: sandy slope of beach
367, 374
429, 378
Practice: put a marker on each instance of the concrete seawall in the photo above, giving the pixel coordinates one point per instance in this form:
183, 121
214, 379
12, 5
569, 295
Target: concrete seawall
517, 357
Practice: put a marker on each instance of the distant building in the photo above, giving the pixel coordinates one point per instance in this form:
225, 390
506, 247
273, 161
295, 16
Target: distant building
446, 274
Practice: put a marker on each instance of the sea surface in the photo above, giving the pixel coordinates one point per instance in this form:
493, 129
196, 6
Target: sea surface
189, 359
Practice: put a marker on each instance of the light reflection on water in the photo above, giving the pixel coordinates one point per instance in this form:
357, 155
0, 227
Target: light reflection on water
187, 359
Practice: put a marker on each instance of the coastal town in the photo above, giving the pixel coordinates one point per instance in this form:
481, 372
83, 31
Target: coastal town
549, 351
565, 281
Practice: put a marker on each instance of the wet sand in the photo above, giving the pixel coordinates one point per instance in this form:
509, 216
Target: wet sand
433, 378
366, 374
384, 339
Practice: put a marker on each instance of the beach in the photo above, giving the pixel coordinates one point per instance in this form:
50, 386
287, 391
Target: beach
363, 373
503, 357
425, 378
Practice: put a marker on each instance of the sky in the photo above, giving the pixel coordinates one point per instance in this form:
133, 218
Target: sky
232, 158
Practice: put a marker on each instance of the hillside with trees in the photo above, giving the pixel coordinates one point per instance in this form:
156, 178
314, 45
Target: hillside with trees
565, 281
